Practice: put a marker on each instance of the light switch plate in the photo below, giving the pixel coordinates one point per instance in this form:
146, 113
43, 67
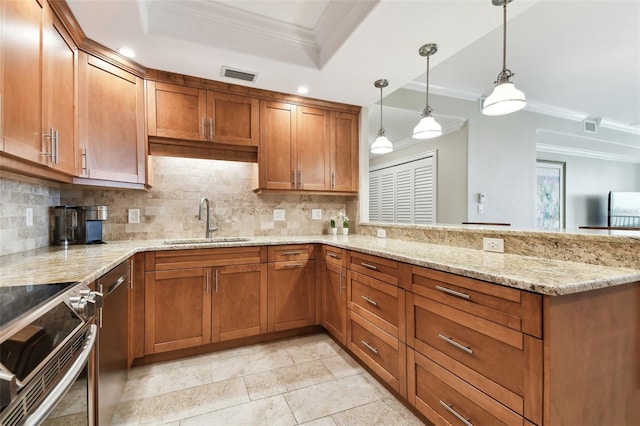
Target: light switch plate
134, 215
381, 233
278, 214
29, 216
316, 214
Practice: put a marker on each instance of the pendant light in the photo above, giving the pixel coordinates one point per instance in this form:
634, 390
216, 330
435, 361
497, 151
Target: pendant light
505, 98
382, 145
427, 127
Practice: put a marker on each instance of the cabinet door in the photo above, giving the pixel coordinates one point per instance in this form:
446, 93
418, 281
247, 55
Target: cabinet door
344, 152
22, 85
291, 294
334, 303
136, 308
239, 301
232, 119
312, 150
276, 155
177, 309
176, 112
59, 72
111, 122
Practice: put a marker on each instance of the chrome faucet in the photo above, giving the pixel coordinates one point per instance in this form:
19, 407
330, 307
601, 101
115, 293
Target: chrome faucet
204, 202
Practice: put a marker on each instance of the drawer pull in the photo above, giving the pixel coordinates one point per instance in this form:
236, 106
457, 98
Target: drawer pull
453, 292
450, 409
456, 344
331, 254
293, 265
370, 301
369, 266
291, 253
341, 288
368, 346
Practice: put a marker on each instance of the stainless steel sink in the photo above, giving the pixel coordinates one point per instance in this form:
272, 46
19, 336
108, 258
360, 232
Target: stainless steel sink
207, 240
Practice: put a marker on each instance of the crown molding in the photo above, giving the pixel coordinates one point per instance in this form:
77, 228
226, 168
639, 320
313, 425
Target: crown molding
578, 152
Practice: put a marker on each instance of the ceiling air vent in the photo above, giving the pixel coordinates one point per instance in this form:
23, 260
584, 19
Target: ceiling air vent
590, 125
239, 74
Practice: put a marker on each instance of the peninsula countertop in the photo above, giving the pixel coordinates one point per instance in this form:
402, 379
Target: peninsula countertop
85, 263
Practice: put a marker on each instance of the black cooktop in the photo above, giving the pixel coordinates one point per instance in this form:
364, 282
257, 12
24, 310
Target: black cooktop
18, 300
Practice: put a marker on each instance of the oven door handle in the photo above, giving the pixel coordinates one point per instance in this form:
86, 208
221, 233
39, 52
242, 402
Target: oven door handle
53, 398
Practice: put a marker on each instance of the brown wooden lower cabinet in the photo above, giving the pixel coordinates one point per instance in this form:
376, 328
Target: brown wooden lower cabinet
177, 309
239, 301
382, 352
136, 308
446, 399
291, 294
334, 301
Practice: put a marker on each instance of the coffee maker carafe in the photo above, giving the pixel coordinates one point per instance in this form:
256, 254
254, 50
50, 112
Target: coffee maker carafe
65, 225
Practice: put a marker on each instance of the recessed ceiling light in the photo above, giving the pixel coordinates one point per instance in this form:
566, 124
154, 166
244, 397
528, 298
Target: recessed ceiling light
303, 90
126, 52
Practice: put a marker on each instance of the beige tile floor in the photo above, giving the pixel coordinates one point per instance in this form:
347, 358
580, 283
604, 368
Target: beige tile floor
306, 380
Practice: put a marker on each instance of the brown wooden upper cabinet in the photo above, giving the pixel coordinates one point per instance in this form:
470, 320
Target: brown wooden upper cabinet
188, 113
111, 123
38, 75
306, 149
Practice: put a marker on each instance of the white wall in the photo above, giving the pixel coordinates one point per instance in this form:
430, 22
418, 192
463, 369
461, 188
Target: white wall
451, 201
587, 185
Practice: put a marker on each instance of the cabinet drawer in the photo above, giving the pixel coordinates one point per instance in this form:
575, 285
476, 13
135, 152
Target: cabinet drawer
291, 252
376, 267
503, 363
336, 256
198, 258
380, 303
383, 353
446, 399
513, 308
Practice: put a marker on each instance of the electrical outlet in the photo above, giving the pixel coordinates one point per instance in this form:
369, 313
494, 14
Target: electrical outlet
381, 233
278, 214
29, 216
493, 244
134, 215
316, 214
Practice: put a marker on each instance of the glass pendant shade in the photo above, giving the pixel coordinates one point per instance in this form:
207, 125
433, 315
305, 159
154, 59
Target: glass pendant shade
382, 145
427, 128
504, 99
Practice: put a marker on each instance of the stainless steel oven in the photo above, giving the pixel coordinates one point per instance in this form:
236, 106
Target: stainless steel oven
47, 356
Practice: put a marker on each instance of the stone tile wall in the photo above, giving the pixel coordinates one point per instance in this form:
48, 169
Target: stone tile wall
17, 193
170, 208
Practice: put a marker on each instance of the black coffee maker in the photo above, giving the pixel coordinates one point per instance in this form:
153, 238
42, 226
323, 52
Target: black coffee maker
90, 220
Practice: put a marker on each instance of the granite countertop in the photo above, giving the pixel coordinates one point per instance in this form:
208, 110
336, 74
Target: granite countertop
85, 263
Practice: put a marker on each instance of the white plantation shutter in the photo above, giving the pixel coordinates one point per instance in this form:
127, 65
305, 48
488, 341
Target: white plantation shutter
404, 192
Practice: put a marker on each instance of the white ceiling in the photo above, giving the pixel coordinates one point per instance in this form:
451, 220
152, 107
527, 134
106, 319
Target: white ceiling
578, 58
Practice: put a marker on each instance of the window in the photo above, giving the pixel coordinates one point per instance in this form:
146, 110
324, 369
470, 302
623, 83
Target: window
404, 192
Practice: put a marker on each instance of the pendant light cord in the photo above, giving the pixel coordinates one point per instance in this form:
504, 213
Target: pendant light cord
427, 91
504, 36
381, 127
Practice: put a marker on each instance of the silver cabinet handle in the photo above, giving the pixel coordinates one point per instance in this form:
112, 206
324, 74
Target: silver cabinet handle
370, 301
51, 136
131, 273
210, 128
293, 265
204, 136
217, 278
300, 184
332, 254
450, 409
208, 280
456, 344
65, 383
369, 266
453, 292
85, 158
368, 346
292, 253
293, 179
56, 146
333, 181
340, 284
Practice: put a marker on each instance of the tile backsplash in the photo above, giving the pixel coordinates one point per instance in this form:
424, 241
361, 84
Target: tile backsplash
17, 193
170, 208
